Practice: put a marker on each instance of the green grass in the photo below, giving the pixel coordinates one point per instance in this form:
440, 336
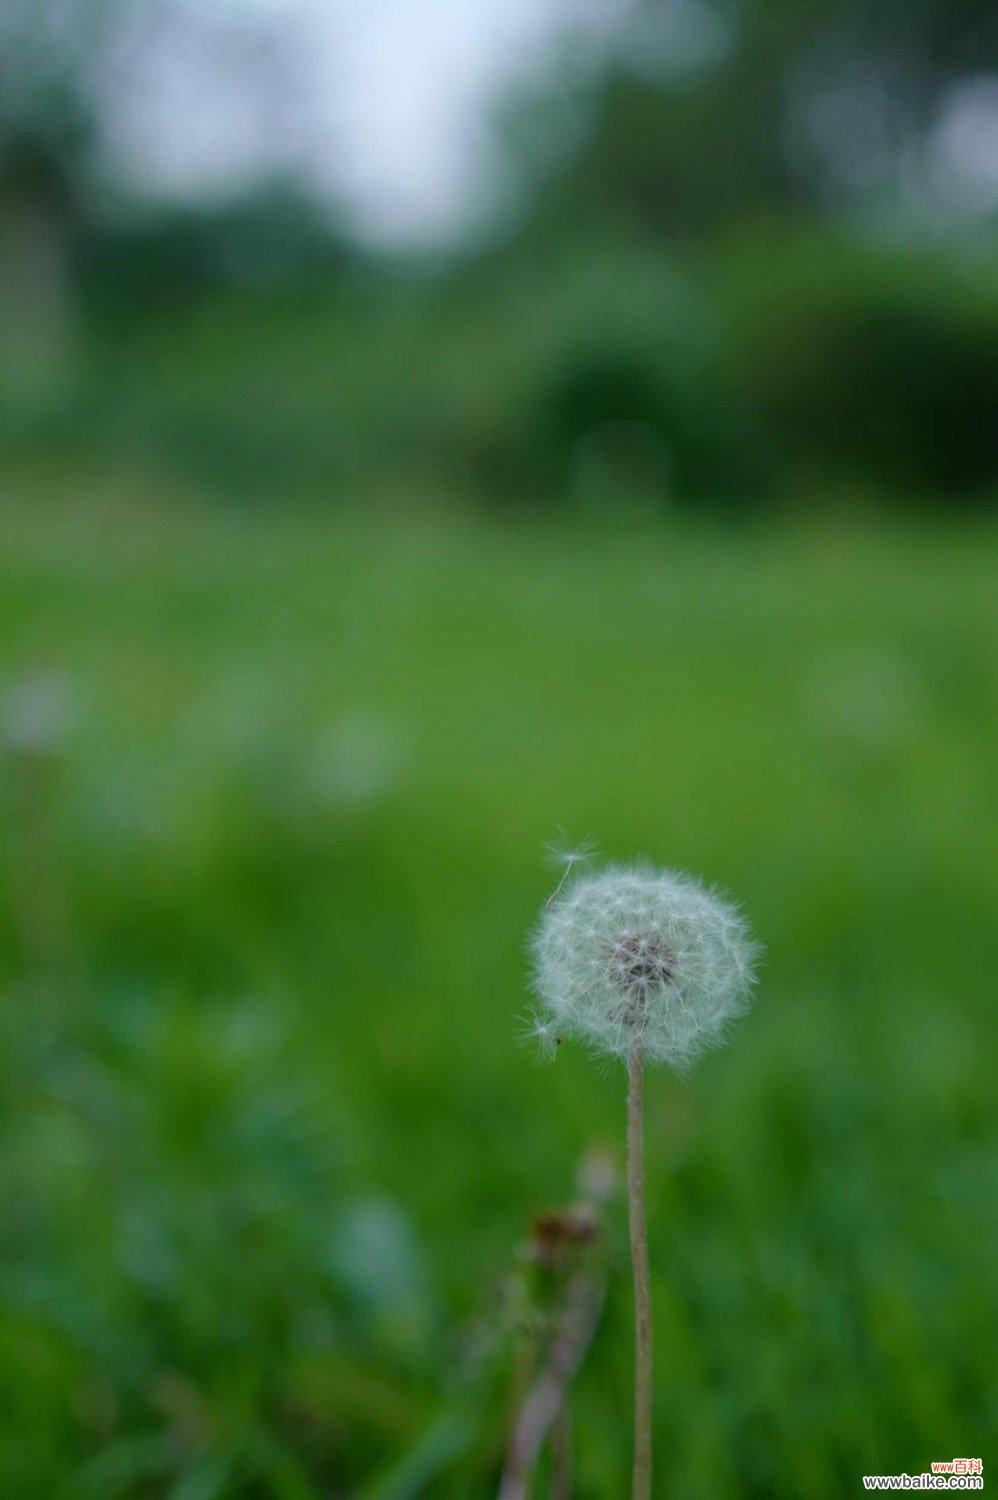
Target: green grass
269, 1144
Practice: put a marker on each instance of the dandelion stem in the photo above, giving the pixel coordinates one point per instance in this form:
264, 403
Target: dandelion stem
641, 1489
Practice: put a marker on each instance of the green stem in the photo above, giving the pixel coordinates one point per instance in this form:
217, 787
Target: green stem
641, 1489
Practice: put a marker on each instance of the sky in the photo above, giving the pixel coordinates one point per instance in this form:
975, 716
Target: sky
385, 108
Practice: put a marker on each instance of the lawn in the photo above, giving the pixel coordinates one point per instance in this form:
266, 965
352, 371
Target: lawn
276, 790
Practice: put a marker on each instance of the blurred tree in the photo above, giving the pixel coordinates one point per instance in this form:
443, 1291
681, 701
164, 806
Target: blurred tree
713, 120
719, 111
47, 125
47, 134
863, 366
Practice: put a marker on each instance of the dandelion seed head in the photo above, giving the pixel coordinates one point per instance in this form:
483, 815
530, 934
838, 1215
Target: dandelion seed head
635, 957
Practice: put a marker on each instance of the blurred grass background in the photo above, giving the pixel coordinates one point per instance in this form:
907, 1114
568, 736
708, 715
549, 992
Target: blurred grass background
615, 452
269, 1141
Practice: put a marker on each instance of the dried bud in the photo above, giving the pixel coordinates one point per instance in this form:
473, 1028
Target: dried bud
555, 1234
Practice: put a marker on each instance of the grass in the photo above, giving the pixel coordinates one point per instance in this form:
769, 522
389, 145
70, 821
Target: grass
269, 1144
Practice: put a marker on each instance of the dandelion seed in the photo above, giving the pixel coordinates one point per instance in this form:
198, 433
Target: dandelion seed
536, 1030
565, 856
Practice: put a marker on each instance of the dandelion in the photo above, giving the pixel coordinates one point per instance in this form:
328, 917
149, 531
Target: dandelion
641, 964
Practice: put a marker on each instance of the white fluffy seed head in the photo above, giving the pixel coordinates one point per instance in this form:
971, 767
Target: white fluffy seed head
636, 957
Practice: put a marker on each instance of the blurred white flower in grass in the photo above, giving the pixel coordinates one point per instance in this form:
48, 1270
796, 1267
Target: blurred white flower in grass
376, 1256
637, 959
358, 759
37, 712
